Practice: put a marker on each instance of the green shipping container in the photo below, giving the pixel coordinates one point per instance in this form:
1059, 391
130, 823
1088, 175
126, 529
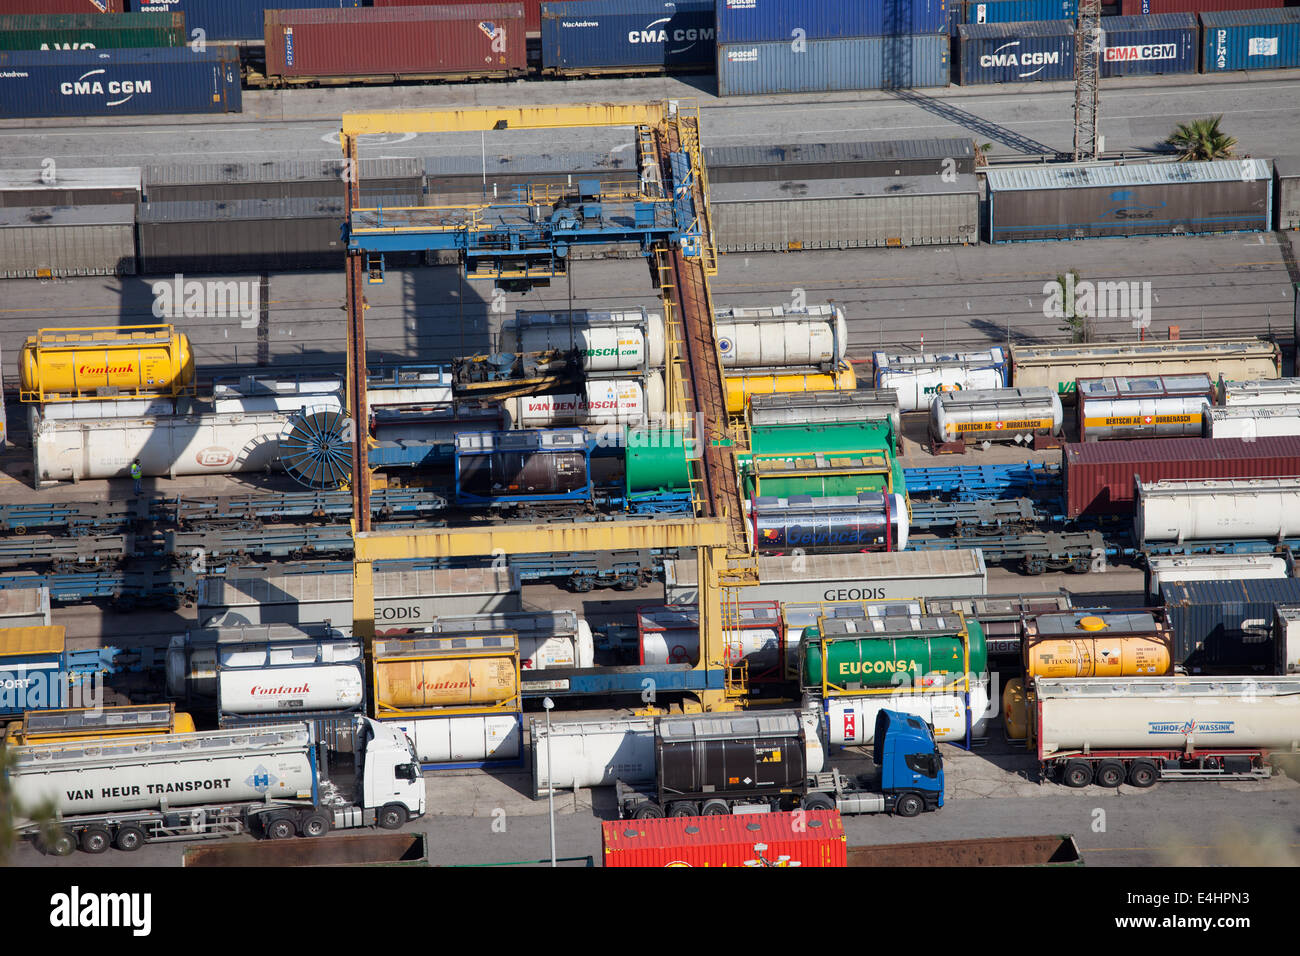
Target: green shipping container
654, 461
92, 31
798, 444
875, 661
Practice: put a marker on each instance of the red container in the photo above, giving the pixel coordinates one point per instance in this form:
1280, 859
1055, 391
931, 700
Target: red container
532, 10
1135, 8
1099, 475
810, 838
8, 7
442, 42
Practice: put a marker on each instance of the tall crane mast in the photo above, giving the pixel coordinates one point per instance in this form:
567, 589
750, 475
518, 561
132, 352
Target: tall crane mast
1088, 43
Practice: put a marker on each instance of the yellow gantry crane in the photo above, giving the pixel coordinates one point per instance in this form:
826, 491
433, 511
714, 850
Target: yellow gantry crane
696, 394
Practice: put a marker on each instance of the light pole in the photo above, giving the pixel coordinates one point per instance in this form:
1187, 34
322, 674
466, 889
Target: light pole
547, 704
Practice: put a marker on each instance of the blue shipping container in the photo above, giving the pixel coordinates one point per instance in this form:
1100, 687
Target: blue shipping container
231, 19
1016, 52
759, 21
33, 670
862, 63
1250, 40
119, 82
1015, 11
614, 36
1139, 46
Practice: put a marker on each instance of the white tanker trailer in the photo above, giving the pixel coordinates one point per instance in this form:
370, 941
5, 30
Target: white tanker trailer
851, 721
126, 792
1143, 729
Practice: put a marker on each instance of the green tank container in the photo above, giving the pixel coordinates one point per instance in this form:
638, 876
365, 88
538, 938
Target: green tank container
875, 661
796, 442
655, 460
91, 31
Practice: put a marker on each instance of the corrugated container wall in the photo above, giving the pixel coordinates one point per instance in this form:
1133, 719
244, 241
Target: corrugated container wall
226, 20
105, 186
1139, 46
759, 21
1209, 618
1250, 40
451, 42
86, 32
863, 63
532, 10
618, 36
41, 242
1099, 475
1288, 191
1138, 8
119, 82
289, 179
1015, 52
896, 157
726, 840
62, 6
1014, 11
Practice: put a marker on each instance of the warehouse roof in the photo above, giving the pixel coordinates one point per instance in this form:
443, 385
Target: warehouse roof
875, 186
318, 207
1085, 175
814, 153
523, 164
20, 217
287, 171
111, 177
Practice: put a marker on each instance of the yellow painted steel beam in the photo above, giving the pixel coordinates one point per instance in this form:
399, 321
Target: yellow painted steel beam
539, 539
504, 117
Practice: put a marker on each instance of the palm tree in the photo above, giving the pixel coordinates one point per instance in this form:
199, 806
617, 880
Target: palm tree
1201, 140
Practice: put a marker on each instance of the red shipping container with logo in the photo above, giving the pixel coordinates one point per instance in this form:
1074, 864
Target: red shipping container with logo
1136, 8
34, 7
532, 10
1099, 475
804, 838
453, 42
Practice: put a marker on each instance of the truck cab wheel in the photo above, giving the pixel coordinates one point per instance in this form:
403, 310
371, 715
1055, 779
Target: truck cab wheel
1143, 774
279, 828
683, 808
647, 810
820, 801
129, 839
95, 840
392, 816
314, 824
1110, 773
715, 808
1077, 774
909, 805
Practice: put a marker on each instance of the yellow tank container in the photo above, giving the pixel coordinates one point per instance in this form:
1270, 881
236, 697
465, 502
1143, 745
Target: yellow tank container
1015, 710
784, 382
16, 736
68, 364
418, 685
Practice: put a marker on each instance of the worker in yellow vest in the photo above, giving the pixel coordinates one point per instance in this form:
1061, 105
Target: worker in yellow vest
136, 474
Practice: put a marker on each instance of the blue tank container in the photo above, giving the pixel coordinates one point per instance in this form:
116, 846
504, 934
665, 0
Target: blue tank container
760, 21
1016, 52
861, 63
627, 36
1141, 46
119, 82
1250, 40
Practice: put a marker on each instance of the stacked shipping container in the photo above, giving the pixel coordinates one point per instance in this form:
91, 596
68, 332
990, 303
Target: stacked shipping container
1015, 52
1135, 8
624, 36
227, 20
83, 31
1250, 40
1162, 43
42, 242
790, 46
63, 6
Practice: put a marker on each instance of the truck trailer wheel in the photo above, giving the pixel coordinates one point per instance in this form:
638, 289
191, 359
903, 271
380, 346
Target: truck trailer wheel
1110, 773
95, 840
129, 839
314, 824
61, 843
715, 808
683, 808
279, 828
1143, 774
1077, 774
647, 810
392, 816
820, 801
909, 805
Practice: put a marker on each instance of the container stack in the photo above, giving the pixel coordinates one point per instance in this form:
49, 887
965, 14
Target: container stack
794, 46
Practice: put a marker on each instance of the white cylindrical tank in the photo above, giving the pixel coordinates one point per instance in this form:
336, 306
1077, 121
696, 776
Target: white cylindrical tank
118, 408
851, 721
546, 638
603, 402
1263, 392
283, 690
774, 337
1214, 509
166, 446
1167, 713
264, 393
610, 341
670, 634
592, 753
194, 659
1154, 406
1250, 422
919, 378
1170, 569
446, 740
812, 408
995, 414
120, 774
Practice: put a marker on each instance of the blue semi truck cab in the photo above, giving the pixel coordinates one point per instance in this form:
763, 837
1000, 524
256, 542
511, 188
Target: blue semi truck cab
908, 775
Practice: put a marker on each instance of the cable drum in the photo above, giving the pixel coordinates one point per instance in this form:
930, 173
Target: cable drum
316, 448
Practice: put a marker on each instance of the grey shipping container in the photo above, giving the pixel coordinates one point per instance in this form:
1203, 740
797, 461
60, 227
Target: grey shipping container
243, 235
1138, 199
463, 175
845, 213
1288, 191
56, 186
46, 241
894, 157
1015, 52
857, 63
278, 180
1226, 626
25, 607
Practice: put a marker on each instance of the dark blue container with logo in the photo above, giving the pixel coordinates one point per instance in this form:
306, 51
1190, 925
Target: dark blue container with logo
1016, 52
758, 21
1226, 625
119, 82
1013, 11
855, 63
1141, 46
232, 19
1250, 40
627, 36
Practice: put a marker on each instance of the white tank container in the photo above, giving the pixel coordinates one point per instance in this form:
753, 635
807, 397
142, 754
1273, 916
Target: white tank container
1215, 509
851, 721
591, 753
995, 414
546, 638
919, 378
166, 446
1250, 422
283, 690
1167, 713
410, 386
442, 740
811, 408
1286, 636
107, 776
671, 635
1154, 406
774, 337
603, 402
118, 408
1260, 392
611, 341
261, 393
1170, 569
192, 658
